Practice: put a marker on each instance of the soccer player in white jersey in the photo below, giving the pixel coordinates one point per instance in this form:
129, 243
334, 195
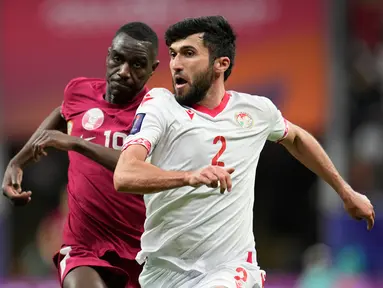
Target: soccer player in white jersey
204, 140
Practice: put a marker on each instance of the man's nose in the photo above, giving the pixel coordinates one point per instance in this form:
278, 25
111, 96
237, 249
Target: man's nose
124, 71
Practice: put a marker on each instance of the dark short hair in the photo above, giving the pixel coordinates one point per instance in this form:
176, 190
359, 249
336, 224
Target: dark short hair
141, 32
218, 36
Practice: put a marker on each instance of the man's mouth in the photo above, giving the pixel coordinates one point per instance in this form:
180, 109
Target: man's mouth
180, 82
121, 84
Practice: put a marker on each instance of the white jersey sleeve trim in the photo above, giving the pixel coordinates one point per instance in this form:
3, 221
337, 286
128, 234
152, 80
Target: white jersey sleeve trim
279, 127
139, 141
284, 133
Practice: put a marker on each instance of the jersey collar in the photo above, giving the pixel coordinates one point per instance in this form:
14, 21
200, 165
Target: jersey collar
215, 111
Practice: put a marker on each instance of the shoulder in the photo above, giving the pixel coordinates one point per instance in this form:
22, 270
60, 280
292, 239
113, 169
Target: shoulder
79, 95
82, 84
157, 97
260, 103
160, 93
157, 105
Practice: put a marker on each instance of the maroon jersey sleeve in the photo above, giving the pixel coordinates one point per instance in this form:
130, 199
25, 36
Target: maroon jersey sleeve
71, 100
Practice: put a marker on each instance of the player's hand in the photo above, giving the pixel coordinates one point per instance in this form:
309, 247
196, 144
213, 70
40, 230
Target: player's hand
211, 176
11, 186
360, 207
51, 138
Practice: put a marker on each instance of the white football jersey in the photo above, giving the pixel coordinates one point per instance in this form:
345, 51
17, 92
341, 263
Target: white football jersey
198, 228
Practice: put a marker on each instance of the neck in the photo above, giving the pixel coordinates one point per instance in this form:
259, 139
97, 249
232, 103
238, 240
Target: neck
214, 95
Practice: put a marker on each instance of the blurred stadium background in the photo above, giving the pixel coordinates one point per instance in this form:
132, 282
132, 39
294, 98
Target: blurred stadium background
320, 61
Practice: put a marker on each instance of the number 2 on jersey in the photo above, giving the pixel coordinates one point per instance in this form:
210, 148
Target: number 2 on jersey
222, 141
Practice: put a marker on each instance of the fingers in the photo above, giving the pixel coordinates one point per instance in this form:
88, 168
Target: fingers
16, 181
371, 220
13, 194
370, 223
228, 178
217, 175
360, 208
230, 170
211, 178
9, 192
224, 178
22, 199
36, 148
11, 186
12, 179
205, 180
39, 145
40, 152
371, 215
17, 199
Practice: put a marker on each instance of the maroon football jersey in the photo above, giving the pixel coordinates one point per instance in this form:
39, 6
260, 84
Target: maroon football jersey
100, 218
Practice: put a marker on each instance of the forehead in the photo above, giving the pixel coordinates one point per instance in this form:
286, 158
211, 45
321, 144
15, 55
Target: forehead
125, 44
195, 41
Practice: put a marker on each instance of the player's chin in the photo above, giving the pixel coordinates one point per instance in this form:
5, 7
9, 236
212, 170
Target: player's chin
181, 90
180, 97
121, 89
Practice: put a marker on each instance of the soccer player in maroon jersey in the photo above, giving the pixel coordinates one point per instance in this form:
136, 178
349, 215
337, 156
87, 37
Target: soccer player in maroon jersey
102, 234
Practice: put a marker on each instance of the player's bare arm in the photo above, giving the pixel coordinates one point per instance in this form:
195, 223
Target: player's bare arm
304, 147
14, 173
104, 156
134, 175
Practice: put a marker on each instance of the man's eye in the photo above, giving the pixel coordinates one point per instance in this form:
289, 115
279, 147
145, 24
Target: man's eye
117, 58
189, 53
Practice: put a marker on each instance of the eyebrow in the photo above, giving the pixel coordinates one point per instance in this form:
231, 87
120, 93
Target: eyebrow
141, 59
184, 47
139, 55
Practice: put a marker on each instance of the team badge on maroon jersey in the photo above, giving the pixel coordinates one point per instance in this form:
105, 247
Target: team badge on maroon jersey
244, 119
93, 119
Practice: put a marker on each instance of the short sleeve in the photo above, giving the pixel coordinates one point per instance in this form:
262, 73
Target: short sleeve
150, 122
68, 105
278, 125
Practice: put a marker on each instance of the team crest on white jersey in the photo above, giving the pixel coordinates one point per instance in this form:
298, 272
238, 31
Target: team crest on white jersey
93, 119
244, 119
69, 127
